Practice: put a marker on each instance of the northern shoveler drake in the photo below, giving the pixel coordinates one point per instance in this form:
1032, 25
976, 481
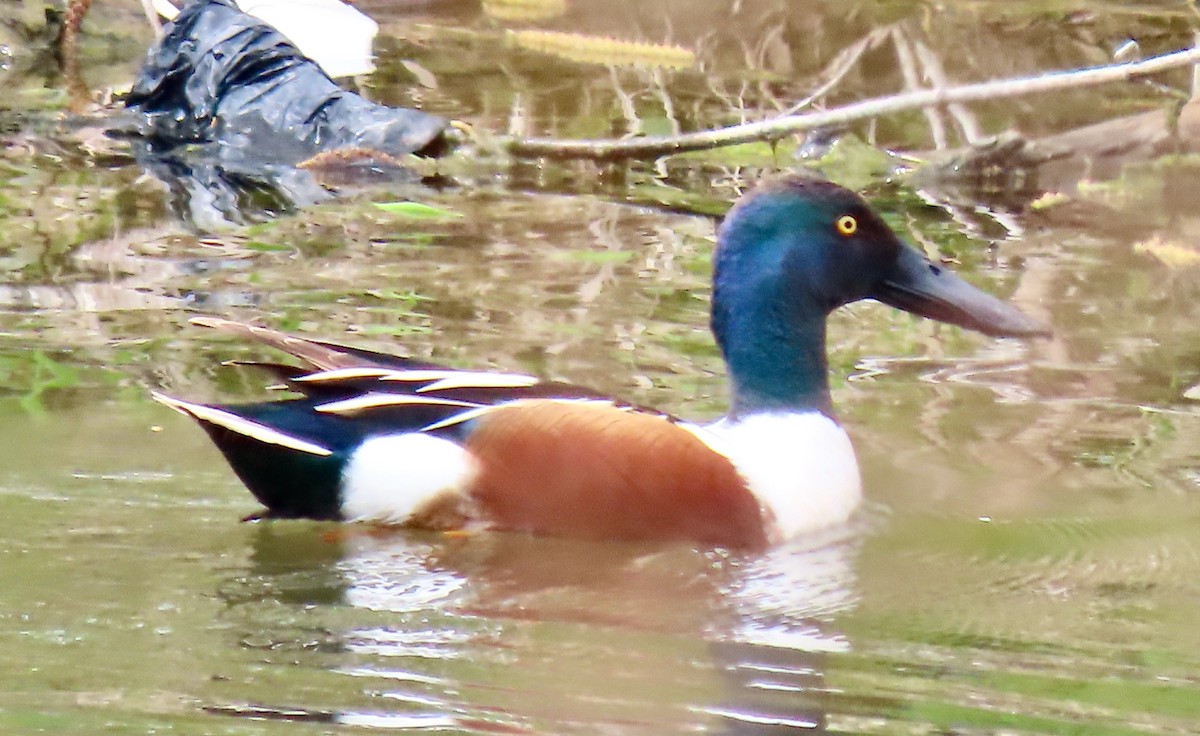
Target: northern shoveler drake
385, 439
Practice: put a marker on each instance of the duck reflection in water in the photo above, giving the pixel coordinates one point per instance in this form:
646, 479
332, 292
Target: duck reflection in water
515, 633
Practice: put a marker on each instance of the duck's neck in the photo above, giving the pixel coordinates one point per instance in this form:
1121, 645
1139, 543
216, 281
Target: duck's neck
775, 354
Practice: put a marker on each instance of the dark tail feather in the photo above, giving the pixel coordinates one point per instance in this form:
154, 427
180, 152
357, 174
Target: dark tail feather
293, 476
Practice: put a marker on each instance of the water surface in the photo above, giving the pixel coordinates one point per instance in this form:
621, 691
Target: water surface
1026, 562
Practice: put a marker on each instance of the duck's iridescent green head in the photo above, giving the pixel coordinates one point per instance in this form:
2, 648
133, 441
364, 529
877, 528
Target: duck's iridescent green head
794, 250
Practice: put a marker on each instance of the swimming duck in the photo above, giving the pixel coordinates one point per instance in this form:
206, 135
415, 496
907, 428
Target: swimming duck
379, 438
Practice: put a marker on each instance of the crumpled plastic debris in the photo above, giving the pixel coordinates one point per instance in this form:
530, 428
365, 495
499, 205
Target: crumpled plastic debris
220, 76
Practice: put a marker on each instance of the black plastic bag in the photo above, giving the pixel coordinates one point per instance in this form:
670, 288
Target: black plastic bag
223, 77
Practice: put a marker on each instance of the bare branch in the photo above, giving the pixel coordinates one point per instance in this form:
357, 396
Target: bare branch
780, 127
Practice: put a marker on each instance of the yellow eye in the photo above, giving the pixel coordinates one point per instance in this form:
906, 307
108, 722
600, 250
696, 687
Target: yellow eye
847, 225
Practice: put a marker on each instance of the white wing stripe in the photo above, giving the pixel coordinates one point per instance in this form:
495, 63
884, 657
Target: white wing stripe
467, 416
377, 400
344, 374
441, 379
242, 426
417, 375
459, 418
467, 379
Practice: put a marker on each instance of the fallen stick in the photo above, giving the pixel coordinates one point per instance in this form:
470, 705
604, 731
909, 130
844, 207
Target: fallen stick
780, 127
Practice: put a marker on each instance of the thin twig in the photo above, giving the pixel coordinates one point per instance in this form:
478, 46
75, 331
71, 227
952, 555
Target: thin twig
780, 127
936, 74
841, 65
907, 61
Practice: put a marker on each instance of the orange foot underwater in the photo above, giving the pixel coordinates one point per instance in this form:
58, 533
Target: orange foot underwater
389, 440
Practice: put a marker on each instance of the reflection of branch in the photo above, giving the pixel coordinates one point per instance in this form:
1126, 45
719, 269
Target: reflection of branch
936, 74
79, 96
628, 108
907, 60
1196, 69
777, 128
68, 54
68, 35
841, 65
664, 97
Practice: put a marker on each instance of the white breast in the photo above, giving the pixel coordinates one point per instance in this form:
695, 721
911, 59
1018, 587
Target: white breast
801, 467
